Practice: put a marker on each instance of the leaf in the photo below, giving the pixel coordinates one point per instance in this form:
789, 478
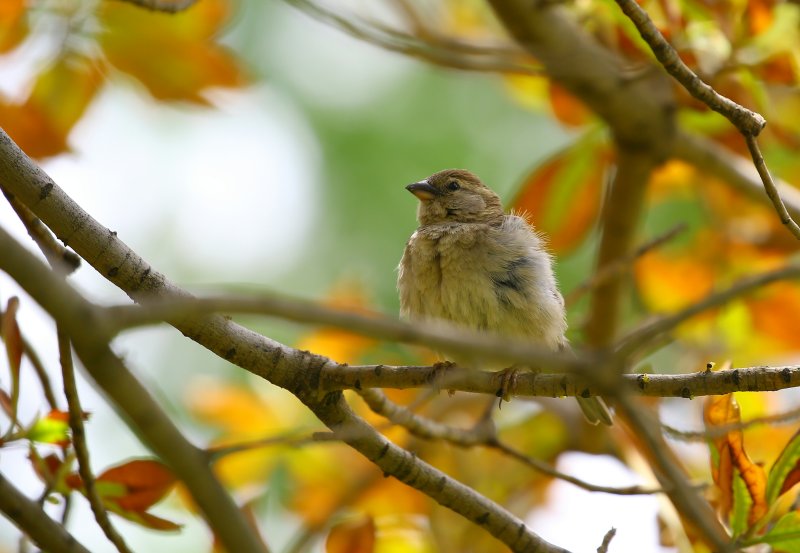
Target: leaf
668, 282
13, 24
742, 503
784, 536
562, 196
136, 485
733, 459
173, 55
567, 108
59, 98
785, 473
354, 536
148, 520
51, 429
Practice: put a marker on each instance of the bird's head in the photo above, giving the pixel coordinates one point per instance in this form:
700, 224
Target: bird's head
457, 196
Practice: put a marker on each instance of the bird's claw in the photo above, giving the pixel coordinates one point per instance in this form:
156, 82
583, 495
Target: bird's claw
508, 383
440, 368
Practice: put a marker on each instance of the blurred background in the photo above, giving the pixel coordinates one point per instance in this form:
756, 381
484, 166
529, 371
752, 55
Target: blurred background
244, 146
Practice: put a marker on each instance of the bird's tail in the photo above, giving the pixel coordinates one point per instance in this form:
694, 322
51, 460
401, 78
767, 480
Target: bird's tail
595, 410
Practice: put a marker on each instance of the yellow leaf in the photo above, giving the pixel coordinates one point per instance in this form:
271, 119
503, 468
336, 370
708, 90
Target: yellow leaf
173, 55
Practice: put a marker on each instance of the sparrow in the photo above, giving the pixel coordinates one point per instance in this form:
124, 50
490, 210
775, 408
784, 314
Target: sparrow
471, 264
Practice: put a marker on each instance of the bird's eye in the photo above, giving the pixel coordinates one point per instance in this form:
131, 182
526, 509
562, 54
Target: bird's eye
453, 185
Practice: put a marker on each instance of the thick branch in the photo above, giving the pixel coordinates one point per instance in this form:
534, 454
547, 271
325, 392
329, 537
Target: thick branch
294, 370
638, 109
80, 320
31, 519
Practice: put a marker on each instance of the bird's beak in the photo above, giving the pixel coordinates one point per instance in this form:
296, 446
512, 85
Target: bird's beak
423, 190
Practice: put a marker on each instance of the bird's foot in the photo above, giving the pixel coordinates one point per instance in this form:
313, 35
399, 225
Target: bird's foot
508, 382
440, 369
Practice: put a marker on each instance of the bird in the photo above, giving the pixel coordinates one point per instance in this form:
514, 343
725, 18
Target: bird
476, 267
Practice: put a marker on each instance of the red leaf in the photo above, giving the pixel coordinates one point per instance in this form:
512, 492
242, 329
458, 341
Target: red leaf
12, 336
562, 196
144, 482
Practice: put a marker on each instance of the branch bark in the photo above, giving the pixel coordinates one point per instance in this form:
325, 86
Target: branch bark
31, 519
291, 369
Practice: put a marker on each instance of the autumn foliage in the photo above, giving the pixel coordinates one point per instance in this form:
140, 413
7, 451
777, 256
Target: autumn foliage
267, 446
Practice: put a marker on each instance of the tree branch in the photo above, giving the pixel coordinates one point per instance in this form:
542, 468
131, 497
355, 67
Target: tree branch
291, 369
748, 122
31, 519
483, 434
644, 335
85, 325
426, 44
80, 446
166, 6
733, 169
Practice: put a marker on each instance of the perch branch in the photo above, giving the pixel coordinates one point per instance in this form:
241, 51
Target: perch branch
294, 370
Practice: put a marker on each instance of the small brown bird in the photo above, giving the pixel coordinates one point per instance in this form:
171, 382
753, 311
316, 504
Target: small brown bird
473, 265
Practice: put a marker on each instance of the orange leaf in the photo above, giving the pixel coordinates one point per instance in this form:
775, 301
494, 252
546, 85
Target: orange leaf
13, 23
58, 100
173, 55
669, 282
567, 108
355, 536
143, 482
562, 196
759, 15
721, 411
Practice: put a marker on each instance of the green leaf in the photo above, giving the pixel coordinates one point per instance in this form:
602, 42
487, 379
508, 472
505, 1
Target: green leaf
785, 472
785, 535
49, 430
742, 502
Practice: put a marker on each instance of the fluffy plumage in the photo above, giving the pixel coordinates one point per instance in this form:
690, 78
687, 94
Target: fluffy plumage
471, 264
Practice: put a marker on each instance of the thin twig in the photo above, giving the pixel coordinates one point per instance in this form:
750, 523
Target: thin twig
717, 431
61, 263
428, 45
622, 264
642, 336
748, 122
607, 541
643, 425
215, 453
166, 6
734, 170
482, 434
769, 185
80, 446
